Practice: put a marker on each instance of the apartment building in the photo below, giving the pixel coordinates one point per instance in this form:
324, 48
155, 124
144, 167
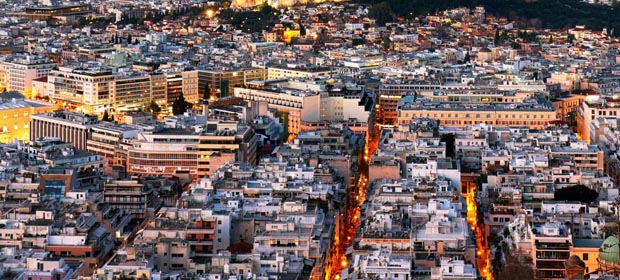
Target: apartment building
109, 141
223, 81
132, 92
132, 196
345, 106
190, 86
585, 157
18, 70
163, 151
174, 87
552, 244
293, 71
225, 141
90, 87
382, 264
594, 107
290, 98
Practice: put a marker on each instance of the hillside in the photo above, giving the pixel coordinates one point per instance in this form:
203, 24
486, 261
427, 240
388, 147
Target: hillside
555, 14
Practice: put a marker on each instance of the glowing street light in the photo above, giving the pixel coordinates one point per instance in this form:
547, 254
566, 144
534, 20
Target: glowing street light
210, 13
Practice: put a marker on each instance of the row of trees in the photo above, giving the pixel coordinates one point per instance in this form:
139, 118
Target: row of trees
555, 14
256, 20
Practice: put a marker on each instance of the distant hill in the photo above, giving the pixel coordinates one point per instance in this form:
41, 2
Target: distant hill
555, 14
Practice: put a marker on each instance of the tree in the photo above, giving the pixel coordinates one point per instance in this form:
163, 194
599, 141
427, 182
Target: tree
467, 57
135, 41
515, 269
224, 88
497, 38
285, 133
106, 117
153, 107
207, 94
575, 193
570, 38
179, 106
129, 39
302, 29
357, 42
387, 43
551, 39
381, 12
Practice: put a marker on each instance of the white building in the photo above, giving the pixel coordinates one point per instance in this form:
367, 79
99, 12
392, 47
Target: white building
17, 71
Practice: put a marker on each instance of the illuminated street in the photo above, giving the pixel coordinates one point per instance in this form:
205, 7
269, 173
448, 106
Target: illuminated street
350, 215
483, 256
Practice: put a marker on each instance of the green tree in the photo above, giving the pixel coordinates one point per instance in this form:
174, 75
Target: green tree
207, 94
575, 193
129, 39
467, 57
302, 29
285, 133
550, 39
153, 107
224, 88
497, 37
106, 117
515, 269
358, 41
387, 43
381, 12
570, 38
179, 106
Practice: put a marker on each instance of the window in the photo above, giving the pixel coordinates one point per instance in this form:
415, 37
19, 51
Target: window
585, 256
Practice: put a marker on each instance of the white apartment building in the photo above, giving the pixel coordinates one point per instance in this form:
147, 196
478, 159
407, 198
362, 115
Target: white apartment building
18, 70
297, 71
299, 100
91, 87
381, 264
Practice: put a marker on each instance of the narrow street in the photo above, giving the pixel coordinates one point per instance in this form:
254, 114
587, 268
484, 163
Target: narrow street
483, 254
349, 218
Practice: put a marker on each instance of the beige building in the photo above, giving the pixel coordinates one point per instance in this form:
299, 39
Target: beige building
132, 92
289, 98
594, 107
222, 142
90, 88
190, 86
297, 72
223, 81
531, 115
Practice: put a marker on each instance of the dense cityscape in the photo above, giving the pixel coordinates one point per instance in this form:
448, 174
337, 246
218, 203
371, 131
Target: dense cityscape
309, 139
